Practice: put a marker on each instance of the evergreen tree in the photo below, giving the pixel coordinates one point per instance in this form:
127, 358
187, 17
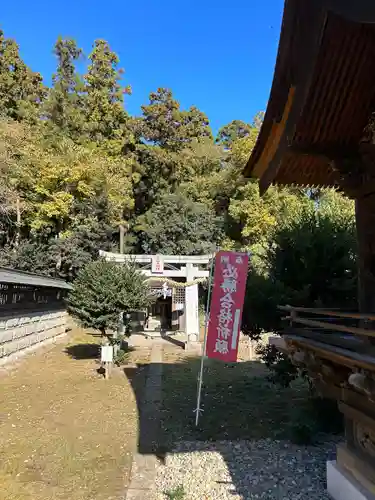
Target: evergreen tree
176, 225
166, 125
103, 290
64, 104
236, 129
105, 116
21, 90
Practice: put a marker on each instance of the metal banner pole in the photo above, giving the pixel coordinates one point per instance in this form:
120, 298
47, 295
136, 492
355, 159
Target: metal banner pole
198, 409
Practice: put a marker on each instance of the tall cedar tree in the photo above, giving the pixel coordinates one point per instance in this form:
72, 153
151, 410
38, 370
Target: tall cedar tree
64, 104
21, 90
166, 125
106, 119
102, 290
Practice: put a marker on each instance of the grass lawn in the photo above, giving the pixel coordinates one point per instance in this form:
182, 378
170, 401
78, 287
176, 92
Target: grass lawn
65, 432
238, 400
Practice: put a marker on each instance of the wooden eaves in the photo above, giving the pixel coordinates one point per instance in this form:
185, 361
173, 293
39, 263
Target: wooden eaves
322, 96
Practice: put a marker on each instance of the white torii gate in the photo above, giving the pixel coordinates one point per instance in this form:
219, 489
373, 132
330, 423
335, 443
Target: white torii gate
172, 266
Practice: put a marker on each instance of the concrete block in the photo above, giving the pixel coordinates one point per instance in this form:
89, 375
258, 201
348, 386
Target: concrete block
341, 485
19, 333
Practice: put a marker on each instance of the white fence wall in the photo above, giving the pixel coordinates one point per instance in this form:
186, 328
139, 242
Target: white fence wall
20, 332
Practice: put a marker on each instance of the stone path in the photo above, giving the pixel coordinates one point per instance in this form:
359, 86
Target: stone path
145, 462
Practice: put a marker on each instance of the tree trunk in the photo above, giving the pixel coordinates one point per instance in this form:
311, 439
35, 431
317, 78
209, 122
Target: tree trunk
18, 222
122, 236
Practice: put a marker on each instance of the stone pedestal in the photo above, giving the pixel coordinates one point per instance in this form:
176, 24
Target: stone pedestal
342, 485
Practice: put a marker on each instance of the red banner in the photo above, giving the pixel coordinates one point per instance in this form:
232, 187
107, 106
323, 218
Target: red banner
227, 299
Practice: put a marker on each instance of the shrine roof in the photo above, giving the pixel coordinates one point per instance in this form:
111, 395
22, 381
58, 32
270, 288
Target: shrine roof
322, 95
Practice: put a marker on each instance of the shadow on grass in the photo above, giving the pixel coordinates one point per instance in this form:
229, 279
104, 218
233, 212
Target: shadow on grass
240, 404
83, 351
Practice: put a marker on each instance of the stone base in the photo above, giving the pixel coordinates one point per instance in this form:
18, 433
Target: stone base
341, 485
16, 356
194, 347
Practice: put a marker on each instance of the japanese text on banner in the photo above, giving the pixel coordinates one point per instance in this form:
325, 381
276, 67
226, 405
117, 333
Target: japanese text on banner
226, 305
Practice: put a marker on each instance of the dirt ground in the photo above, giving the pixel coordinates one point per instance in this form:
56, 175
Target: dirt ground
65, 432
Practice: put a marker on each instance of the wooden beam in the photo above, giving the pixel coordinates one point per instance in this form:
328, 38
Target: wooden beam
358, 11
336, 328
351, 342
328, 312
338, 355
273, 139
330, 152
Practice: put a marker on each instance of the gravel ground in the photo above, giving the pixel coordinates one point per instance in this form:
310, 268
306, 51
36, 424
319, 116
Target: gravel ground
246, 470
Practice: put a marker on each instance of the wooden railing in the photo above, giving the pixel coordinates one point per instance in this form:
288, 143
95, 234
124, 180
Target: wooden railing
325, 320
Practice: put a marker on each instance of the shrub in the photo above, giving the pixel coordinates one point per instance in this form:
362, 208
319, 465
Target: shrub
103, 290
282, 370
315, 415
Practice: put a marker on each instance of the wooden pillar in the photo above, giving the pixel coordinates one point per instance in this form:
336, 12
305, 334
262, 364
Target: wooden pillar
365, 219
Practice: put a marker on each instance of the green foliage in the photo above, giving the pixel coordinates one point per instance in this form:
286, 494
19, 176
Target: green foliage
21, 90
317, 415
102, 290
282, 371
177, 493
104, 112
236, 129
28, 256
166, 125
63, 106
176, 225
258, 119
121, 357
310, 261
75, 166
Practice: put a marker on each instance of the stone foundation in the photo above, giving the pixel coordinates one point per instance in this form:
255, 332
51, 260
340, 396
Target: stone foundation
20, 332
341, 485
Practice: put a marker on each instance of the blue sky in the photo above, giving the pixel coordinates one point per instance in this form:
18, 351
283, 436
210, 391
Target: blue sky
216, 55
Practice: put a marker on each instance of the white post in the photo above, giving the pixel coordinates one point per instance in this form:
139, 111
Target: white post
198, 409
191, 306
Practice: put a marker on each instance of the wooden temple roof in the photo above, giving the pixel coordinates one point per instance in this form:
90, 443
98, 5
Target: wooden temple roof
322, 95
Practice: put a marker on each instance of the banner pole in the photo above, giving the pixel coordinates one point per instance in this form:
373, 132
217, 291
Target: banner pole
198, 409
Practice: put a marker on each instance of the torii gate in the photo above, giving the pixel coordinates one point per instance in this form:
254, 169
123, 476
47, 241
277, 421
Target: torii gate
170, 267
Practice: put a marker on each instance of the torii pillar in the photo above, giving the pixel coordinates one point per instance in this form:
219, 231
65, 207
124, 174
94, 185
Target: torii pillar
191, 305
